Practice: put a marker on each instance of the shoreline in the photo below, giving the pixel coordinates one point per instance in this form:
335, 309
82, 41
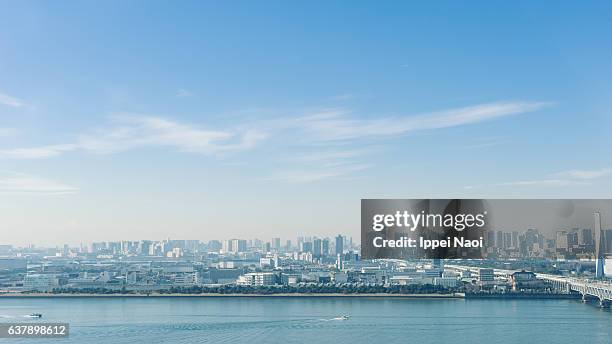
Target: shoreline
303, 295
207, 295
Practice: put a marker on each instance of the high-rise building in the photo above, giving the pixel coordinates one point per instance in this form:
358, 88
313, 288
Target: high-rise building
234, 246
586, 237
325, 248
600, 246
214, 246
239, 245
507, 240
307, 246
572, 239
561, 241
145, 247
339, 244
317, 248
500, 239
276, 244
226, 246
491, 238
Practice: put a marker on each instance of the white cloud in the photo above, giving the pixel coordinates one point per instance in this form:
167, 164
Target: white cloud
585, 174
329, 157
37, 152
335, 124
133, 131
565, 178
11, 101
541, 182
317, 174
331, 126
20, 183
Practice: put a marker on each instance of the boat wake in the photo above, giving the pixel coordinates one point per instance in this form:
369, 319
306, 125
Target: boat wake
340, 318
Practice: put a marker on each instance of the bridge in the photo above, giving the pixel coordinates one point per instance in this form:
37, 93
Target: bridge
602, 290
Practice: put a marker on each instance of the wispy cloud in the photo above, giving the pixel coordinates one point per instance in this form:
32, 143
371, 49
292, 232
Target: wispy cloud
485, 142
585, 174
37, 152
565, 178
337, 124
134, 131
22, 183
333, 157
542, 182
11, 101
323, 142
317, 174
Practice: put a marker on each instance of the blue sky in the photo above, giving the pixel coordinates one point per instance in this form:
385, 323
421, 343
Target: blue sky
210, 120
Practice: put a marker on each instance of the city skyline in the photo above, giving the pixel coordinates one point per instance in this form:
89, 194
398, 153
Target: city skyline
201, 119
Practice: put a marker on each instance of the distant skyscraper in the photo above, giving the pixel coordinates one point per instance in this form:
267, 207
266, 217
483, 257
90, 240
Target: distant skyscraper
507, 240
561, 241
145, 247
500, 239
307, 246
234, 246
276, 244
586, 237
214, 245
339, 244
227, 246
608, 246
491, 238
325, 248
600, 246
317, 248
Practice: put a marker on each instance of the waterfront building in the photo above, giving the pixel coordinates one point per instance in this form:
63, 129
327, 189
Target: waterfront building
446, 282
522, 280
257, 279
40, 282
486, 275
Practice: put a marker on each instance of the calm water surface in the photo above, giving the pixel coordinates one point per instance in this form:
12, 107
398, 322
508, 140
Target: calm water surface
301, 320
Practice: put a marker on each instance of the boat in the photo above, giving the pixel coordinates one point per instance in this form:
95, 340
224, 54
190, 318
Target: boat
35, 315
342, 317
